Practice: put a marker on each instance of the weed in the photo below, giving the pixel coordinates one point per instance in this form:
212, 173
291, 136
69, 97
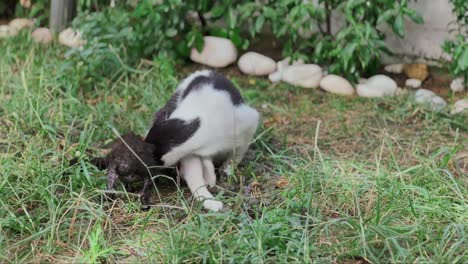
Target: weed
367, 179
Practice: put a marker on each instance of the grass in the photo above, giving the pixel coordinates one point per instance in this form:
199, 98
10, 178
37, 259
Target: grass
366, 180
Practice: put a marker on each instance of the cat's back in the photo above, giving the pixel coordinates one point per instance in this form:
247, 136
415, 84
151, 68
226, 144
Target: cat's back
207, 94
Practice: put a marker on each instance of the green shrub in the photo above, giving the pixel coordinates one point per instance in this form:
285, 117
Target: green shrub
355, 48
458, 47
136, 29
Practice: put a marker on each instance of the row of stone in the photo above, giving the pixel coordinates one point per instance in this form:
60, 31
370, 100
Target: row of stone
418, 73
221, 52
67, 37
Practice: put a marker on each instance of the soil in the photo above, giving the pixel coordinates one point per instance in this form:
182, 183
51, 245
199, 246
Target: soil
438, 81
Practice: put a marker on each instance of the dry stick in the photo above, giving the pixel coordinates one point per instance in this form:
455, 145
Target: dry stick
316, 138
306, 234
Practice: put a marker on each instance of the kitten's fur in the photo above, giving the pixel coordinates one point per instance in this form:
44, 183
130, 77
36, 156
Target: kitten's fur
126, 163
206, 121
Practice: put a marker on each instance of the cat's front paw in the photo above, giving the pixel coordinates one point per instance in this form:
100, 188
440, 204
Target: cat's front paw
213, 205
169, 159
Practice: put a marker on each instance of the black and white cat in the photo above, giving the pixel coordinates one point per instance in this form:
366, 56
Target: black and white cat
205, 123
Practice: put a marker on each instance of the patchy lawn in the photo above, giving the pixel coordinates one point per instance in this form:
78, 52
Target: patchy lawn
327, 179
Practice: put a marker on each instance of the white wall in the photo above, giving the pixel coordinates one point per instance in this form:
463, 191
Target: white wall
425, 40
421, 42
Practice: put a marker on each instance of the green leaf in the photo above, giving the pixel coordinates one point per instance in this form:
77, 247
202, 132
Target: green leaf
236, 38
269, 12
199, 42
182, 49
171, 32
463, 61
385, 16
217, 11
245, 44
415, 16
231, 18
398, 25
219, 32
259, 23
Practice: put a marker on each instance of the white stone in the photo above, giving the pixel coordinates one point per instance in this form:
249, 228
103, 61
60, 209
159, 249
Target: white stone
430, 99
336, 84
438, 103
362, 80
377, 86
460, 106
423, 95
401, 92
42, 35
280, 67
256, 64
7, 31
394, 68
284, 63
71, 38
21, 23
457, 85
413, 83
304, 75
275, 77
25, 3
217, 52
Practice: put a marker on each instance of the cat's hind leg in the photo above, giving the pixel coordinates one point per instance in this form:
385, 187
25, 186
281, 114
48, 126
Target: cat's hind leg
209, 174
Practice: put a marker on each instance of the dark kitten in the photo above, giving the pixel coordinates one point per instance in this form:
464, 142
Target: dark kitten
126, 163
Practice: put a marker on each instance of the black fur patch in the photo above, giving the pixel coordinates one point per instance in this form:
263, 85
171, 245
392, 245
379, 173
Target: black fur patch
224, 84
219, 82
195, 84
168, 109
170, 133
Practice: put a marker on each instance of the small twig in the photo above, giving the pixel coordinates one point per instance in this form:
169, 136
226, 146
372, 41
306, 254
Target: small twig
316, 138
327, 7
166, 206
202, 19
117, 192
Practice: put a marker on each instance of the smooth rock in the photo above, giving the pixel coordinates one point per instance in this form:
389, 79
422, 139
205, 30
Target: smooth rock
377, 86
423, 95
281, 66
304, 75
460, 106
362, 80
256, 64
416, 71
217, 52
413, 83
42, 35
394, 68
457, 85
21, 23
275, 77
430, 99
401, 92
25, 3
7, 31
286, 62
71, 38
336, 84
